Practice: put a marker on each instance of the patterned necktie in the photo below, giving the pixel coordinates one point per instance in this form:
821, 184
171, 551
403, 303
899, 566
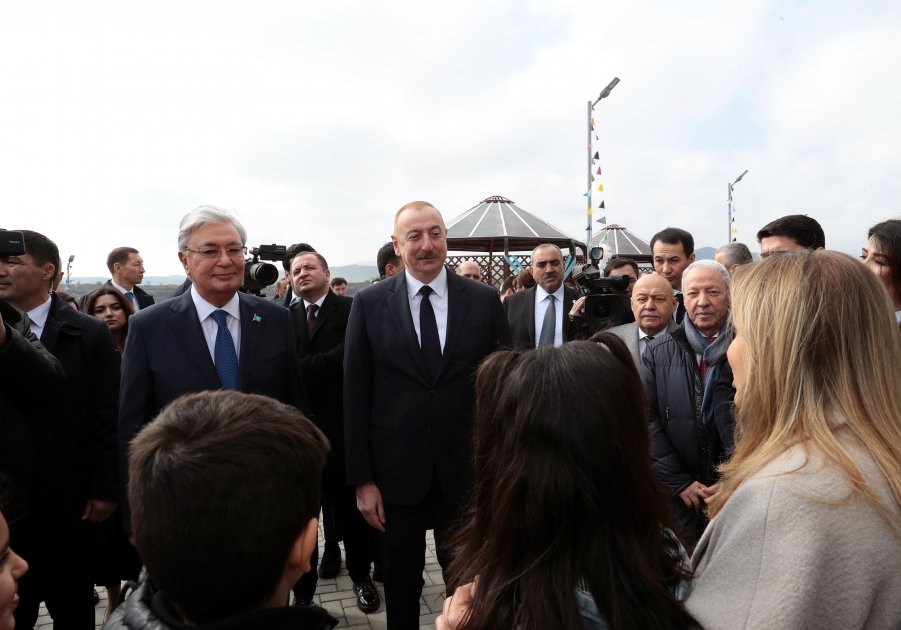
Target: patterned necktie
311, 318
703, 366
429, 340
224, 353
549, 325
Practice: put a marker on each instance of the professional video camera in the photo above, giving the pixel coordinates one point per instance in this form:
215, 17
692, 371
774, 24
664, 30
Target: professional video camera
605, 305
259, 275
12, 243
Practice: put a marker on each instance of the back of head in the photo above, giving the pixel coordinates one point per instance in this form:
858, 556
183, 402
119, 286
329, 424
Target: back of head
734, 254
821, 352
616, 264
525, 280
552, 439
802, 229
220, 485
675, 236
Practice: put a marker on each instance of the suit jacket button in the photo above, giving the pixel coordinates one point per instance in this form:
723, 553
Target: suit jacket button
433, 392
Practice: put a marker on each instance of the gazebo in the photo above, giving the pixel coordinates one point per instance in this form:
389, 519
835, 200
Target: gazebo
617, 242
496, 225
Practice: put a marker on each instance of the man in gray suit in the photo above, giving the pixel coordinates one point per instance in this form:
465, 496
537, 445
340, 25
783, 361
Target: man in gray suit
653, 305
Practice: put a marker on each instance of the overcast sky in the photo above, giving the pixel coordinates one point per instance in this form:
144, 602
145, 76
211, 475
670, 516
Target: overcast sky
315, 121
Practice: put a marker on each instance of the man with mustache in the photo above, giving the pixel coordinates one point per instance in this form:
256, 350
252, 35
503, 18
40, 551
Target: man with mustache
539, 316
413, 344
653, 304
689, 386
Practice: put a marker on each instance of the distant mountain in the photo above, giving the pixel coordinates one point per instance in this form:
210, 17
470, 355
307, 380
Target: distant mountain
705, 253
355, 273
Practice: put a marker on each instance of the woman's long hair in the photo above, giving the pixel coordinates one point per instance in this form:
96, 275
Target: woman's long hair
822, 352
564, 493
129, 309
888, 237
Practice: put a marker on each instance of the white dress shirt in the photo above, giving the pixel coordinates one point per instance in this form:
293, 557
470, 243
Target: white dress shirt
438, 299
38, 316
123, 291
209, 325
541, 303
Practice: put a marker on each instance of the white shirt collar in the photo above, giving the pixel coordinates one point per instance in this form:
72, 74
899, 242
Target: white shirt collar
38, 315
205, 309
120, 288
318, 302
439, 284
541, 294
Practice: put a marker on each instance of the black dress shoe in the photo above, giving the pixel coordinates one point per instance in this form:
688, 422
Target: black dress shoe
330, 565
368, 599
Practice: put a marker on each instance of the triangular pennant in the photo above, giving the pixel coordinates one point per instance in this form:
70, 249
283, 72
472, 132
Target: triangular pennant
596, 156
599, 170
601, 187
587, 194
595, 136
602, 205
603, 220
592, 122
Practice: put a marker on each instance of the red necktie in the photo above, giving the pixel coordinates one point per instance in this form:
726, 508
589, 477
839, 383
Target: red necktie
311, 318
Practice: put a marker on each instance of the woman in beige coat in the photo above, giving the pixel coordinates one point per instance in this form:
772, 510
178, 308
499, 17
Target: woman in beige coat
806, 529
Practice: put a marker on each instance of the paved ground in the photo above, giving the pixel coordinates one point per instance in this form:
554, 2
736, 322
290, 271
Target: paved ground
337, 596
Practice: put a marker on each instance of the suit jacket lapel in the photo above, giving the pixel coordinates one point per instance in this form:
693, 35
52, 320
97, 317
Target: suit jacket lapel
457, 305
188, 333
530, 315
251, 331
399, 305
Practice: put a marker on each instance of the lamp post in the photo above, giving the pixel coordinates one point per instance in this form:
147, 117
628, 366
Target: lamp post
604, 94
731, 188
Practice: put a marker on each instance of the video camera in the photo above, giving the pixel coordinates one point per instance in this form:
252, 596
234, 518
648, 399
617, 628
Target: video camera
11, 243
259, 275
605, 305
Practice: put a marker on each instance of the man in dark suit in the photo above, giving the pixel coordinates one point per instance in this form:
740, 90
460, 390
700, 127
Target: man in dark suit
211, 336
320, 325
413, 344
127, 270
653, 304
532, 321
75, 484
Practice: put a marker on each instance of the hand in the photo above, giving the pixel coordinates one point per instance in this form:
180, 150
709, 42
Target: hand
369, 502
578, 308
711, 492
98, 510
456, 608
694, 494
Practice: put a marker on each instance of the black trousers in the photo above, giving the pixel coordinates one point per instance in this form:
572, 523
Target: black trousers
57, 547
403, 548
357, 534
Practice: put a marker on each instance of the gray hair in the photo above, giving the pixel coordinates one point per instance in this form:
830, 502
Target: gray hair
550, 245
204, 215
735, 254
707, 264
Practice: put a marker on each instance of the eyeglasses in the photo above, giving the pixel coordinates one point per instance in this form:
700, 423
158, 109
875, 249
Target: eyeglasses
213, 253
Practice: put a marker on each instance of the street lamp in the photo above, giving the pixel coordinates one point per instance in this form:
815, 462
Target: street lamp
69, 270
604, 94
731, 188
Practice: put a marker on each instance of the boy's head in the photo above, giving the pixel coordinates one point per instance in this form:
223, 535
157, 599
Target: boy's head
224, 488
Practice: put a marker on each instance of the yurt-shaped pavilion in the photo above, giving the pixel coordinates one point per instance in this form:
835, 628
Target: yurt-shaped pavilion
506, 234
619, 242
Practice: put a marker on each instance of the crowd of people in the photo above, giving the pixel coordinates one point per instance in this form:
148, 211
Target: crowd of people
731, 457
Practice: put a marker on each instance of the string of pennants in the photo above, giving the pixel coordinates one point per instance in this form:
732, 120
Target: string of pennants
595, 192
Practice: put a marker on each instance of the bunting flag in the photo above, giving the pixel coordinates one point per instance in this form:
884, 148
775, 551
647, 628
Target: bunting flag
587, 194
600, 187
599, 170
592, 123
596, 155
600, 207
603, 220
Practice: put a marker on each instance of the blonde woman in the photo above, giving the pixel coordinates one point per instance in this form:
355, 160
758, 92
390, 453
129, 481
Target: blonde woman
806, 529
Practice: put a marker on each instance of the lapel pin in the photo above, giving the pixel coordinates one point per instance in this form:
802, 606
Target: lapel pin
257, 318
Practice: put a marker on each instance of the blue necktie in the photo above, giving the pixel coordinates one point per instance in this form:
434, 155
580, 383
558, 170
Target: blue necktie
224, 353
131, 298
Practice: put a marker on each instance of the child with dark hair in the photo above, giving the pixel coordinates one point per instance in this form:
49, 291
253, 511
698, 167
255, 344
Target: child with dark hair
566, 526
224, 488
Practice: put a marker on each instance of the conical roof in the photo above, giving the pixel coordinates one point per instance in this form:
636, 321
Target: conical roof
498, 224
616, 239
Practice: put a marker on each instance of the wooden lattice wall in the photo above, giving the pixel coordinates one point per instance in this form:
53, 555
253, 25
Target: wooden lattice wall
499, 270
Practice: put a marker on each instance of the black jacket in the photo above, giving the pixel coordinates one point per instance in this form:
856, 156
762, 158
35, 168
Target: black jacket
321, 357
30, 377
79, 455
147, 610
683, 448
